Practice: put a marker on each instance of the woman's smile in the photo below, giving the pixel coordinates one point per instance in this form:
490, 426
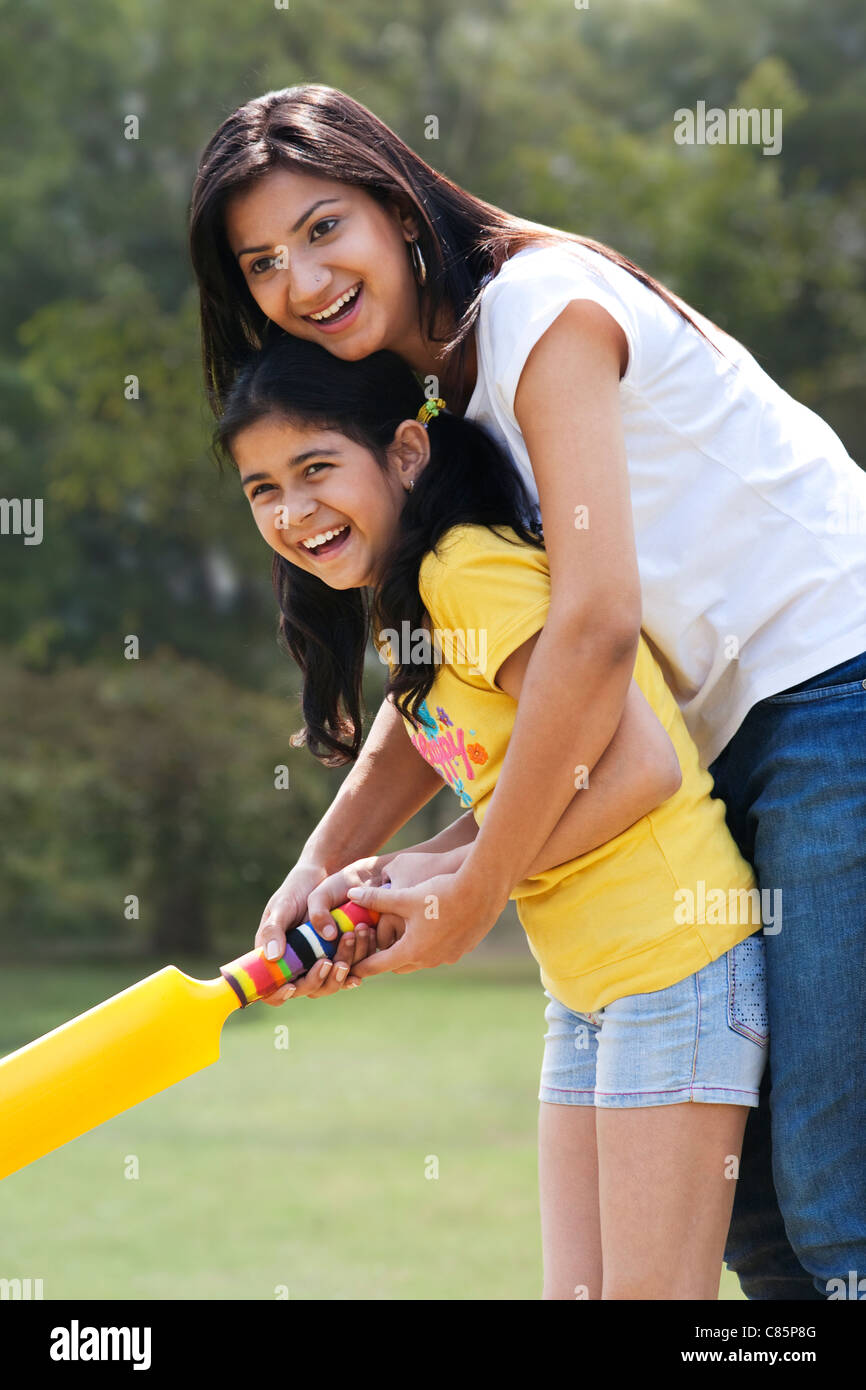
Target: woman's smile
345, 312
324, 260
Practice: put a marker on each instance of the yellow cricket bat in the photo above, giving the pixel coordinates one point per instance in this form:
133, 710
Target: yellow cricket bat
137, 1043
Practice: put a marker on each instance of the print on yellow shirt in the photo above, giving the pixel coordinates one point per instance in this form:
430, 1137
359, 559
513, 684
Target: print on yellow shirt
446, 749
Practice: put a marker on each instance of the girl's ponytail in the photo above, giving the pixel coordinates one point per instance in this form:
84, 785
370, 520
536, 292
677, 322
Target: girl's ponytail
469, 479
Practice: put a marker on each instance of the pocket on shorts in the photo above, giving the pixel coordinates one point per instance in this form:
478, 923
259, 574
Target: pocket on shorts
747, 990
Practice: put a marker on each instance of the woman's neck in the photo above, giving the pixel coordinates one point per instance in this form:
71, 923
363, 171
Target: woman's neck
455, 388
425, 361
470, 376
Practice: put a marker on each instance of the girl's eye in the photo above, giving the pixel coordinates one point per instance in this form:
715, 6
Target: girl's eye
259, 486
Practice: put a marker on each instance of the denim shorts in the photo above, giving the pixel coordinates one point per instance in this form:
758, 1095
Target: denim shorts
702, 1039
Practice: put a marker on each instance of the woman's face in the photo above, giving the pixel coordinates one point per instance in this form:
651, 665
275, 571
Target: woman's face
302, 242
302, 481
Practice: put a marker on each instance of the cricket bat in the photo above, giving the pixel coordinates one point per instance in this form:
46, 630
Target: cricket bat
139, 1042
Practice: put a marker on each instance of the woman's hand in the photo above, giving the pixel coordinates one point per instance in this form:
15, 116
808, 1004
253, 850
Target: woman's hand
408, 869
308, 894
445, 917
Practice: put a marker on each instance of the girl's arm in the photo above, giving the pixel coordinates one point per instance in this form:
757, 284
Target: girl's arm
638, 770
458, 835
387, 786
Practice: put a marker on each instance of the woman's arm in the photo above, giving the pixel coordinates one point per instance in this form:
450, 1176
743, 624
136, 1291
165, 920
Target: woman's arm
387, 786
575, 685
568, 408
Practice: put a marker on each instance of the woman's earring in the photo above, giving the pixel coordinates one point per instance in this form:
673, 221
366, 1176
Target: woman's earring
411, 484
418, 264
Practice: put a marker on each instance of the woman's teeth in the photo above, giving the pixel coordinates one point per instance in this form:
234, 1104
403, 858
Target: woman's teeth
337, 305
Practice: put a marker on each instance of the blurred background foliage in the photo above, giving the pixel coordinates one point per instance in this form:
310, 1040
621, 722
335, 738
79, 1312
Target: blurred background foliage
155, 777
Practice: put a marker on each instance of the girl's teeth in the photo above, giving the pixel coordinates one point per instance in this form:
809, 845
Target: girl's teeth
320, 540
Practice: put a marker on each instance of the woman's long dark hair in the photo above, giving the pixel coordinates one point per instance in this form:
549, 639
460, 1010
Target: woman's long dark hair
315, 129
468, 478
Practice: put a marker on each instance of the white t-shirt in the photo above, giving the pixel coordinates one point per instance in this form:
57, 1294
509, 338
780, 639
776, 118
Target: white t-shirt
749, 514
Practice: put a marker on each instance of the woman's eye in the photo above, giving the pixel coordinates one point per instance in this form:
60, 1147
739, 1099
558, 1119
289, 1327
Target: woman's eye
315, 465
265, 263
257, 489
324, 222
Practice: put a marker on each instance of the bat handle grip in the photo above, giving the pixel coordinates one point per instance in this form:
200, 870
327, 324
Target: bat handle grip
253, 976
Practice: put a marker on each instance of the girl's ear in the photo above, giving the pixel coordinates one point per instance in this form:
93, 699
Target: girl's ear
409, 450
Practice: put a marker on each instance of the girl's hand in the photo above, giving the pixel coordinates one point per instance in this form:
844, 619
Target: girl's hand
445, 917
409, 869
308, 894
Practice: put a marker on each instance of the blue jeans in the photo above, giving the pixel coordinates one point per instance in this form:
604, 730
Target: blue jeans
793, 778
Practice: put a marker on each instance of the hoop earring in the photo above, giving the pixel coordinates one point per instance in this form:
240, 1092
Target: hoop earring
418, 264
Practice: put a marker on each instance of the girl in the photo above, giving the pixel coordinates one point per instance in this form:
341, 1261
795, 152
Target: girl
651, 1004
682, 493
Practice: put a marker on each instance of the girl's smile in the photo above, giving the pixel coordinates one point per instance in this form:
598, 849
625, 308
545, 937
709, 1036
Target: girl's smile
322, 500
324, 545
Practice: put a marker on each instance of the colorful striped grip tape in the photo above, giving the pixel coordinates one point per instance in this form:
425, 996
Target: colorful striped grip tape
253, 976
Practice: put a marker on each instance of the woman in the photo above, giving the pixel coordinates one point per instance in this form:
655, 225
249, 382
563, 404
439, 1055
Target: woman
680, 491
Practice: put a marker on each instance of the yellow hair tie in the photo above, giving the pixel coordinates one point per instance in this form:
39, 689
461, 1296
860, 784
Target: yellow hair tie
429, 409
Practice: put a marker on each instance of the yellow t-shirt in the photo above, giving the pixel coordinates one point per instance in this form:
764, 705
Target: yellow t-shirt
651, 906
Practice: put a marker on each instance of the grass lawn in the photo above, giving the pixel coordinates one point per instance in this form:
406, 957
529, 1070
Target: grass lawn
301, 1172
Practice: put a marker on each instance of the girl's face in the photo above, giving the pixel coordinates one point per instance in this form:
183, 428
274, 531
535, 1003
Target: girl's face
303, 242
303, 481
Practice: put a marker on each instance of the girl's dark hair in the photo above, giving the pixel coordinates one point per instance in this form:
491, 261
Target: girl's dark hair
468, 478
315, 129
